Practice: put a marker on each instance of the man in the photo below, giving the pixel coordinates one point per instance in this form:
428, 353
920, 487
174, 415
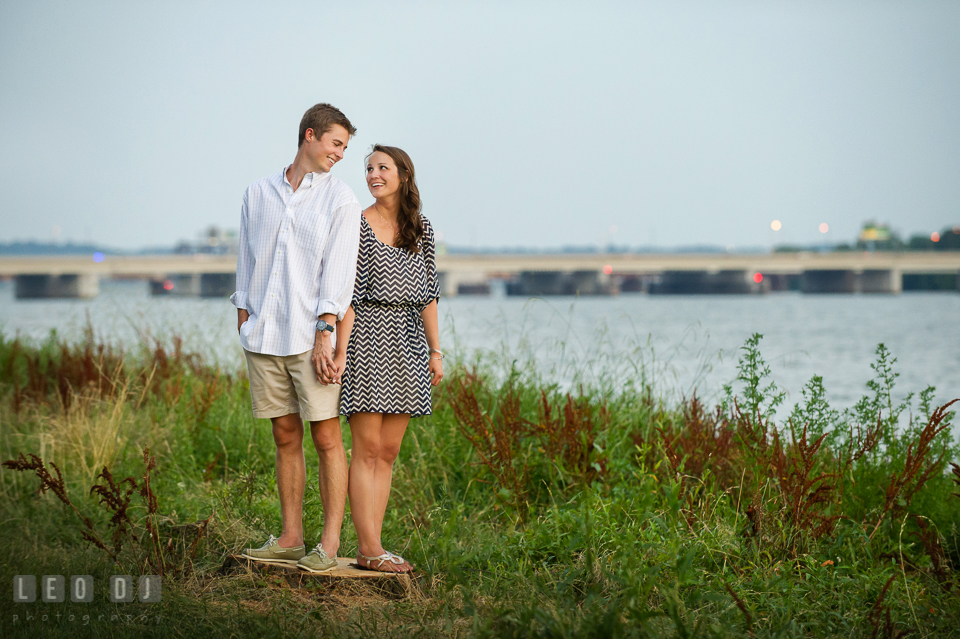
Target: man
299, 236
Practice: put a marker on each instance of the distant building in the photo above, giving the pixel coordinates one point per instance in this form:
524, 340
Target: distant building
212, 240
875, 232
878, 237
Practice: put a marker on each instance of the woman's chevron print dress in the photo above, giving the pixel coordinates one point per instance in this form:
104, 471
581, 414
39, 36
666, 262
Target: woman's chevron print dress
387, 359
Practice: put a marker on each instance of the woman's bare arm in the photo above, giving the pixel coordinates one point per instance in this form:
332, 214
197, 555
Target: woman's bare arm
344, 328
431, 328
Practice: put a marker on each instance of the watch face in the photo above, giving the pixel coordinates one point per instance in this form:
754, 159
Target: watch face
322, 325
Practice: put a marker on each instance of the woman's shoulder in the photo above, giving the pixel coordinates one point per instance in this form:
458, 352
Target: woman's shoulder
427, 228
365, 217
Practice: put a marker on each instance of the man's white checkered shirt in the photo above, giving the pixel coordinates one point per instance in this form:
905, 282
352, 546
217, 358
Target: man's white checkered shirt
298, 259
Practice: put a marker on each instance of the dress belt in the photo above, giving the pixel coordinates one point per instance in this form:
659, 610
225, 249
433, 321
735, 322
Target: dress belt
381, 304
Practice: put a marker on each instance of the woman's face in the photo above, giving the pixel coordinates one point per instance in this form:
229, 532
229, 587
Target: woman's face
383, 179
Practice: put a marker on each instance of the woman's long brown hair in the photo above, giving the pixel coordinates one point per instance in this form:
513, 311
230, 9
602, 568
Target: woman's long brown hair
409, 225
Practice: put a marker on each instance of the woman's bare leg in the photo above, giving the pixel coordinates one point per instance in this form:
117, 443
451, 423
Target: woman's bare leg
367, 430
391, 436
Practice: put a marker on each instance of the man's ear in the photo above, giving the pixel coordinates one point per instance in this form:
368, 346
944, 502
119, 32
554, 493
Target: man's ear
309, 135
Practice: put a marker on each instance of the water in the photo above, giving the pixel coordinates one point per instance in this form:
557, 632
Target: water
682, 343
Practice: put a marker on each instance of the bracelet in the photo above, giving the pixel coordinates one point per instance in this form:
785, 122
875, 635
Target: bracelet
437, 351
438, 358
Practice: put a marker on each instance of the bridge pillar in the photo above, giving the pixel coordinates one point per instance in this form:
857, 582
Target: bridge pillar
881, 281
783, 281
828, 281
178, 285
633, 284
444, 280
82, 285
539, 283
218, 284
589, 283
473, 288
463, 283
931, 281
707, 283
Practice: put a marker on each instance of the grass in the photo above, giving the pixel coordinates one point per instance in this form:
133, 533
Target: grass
530, 511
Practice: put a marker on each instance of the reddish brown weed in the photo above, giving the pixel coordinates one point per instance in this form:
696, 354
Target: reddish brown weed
568, 435
930, 540
58, 487
115, 496
808, 493
879, 617
955, 469
917, 468
495, 435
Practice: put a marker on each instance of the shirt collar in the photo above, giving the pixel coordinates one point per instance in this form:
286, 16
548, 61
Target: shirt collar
309, 180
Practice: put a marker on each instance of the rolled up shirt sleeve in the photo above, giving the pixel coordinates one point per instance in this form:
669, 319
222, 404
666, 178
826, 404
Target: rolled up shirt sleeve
339, 265
245, 261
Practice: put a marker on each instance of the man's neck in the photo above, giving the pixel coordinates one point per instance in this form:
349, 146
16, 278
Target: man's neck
299, 169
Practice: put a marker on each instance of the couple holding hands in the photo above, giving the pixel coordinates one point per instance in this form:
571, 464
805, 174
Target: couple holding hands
337, 314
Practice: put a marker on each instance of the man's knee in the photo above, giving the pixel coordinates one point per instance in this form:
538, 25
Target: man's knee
288, 433
327, 437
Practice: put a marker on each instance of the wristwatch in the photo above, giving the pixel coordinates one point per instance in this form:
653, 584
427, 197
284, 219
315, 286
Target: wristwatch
323, 326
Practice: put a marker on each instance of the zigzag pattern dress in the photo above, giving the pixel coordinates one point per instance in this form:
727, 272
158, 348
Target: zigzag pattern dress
387, 359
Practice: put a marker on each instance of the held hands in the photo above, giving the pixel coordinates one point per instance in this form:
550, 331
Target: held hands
340, 362
322, 359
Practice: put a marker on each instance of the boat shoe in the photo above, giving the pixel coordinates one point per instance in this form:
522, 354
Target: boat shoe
317, 560
271, 551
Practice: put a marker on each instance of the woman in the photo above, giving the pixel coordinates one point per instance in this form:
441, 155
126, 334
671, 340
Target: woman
392, 354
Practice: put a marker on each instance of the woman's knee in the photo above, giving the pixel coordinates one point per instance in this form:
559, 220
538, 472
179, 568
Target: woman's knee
389, 452
365, 449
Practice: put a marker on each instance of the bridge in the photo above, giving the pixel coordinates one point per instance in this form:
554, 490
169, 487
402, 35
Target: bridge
531, 274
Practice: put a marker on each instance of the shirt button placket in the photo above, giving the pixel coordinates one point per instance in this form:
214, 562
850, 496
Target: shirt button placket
282, 243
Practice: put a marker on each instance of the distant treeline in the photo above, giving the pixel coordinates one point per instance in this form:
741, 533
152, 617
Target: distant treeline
49, 248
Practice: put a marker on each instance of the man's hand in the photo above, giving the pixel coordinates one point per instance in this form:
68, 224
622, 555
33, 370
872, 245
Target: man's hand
340, 362
322, 358
242, 316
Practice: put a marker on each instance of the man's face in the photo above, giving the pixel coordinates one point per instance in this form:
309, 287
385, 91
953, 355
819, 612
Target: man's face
328, 149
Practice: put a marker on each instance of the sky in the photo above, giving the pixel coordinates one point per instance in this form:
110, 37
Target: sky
533, 124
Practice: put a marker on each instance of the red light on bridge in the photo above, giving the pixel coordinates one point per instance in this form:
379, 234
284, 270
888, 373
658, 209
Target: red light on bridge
608, 269
758, 277
167, 285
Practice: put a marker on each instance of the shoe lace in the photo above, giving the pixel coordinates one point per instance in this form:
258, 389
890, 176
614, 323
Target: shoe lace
272, 540
319, 550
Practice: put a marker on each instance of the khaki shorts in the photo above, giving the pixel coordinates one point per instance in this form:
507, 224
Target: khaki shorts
281, 385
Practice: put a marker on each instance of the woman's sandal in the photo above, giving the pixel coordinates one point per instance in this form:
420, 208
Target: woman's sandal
396, 560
